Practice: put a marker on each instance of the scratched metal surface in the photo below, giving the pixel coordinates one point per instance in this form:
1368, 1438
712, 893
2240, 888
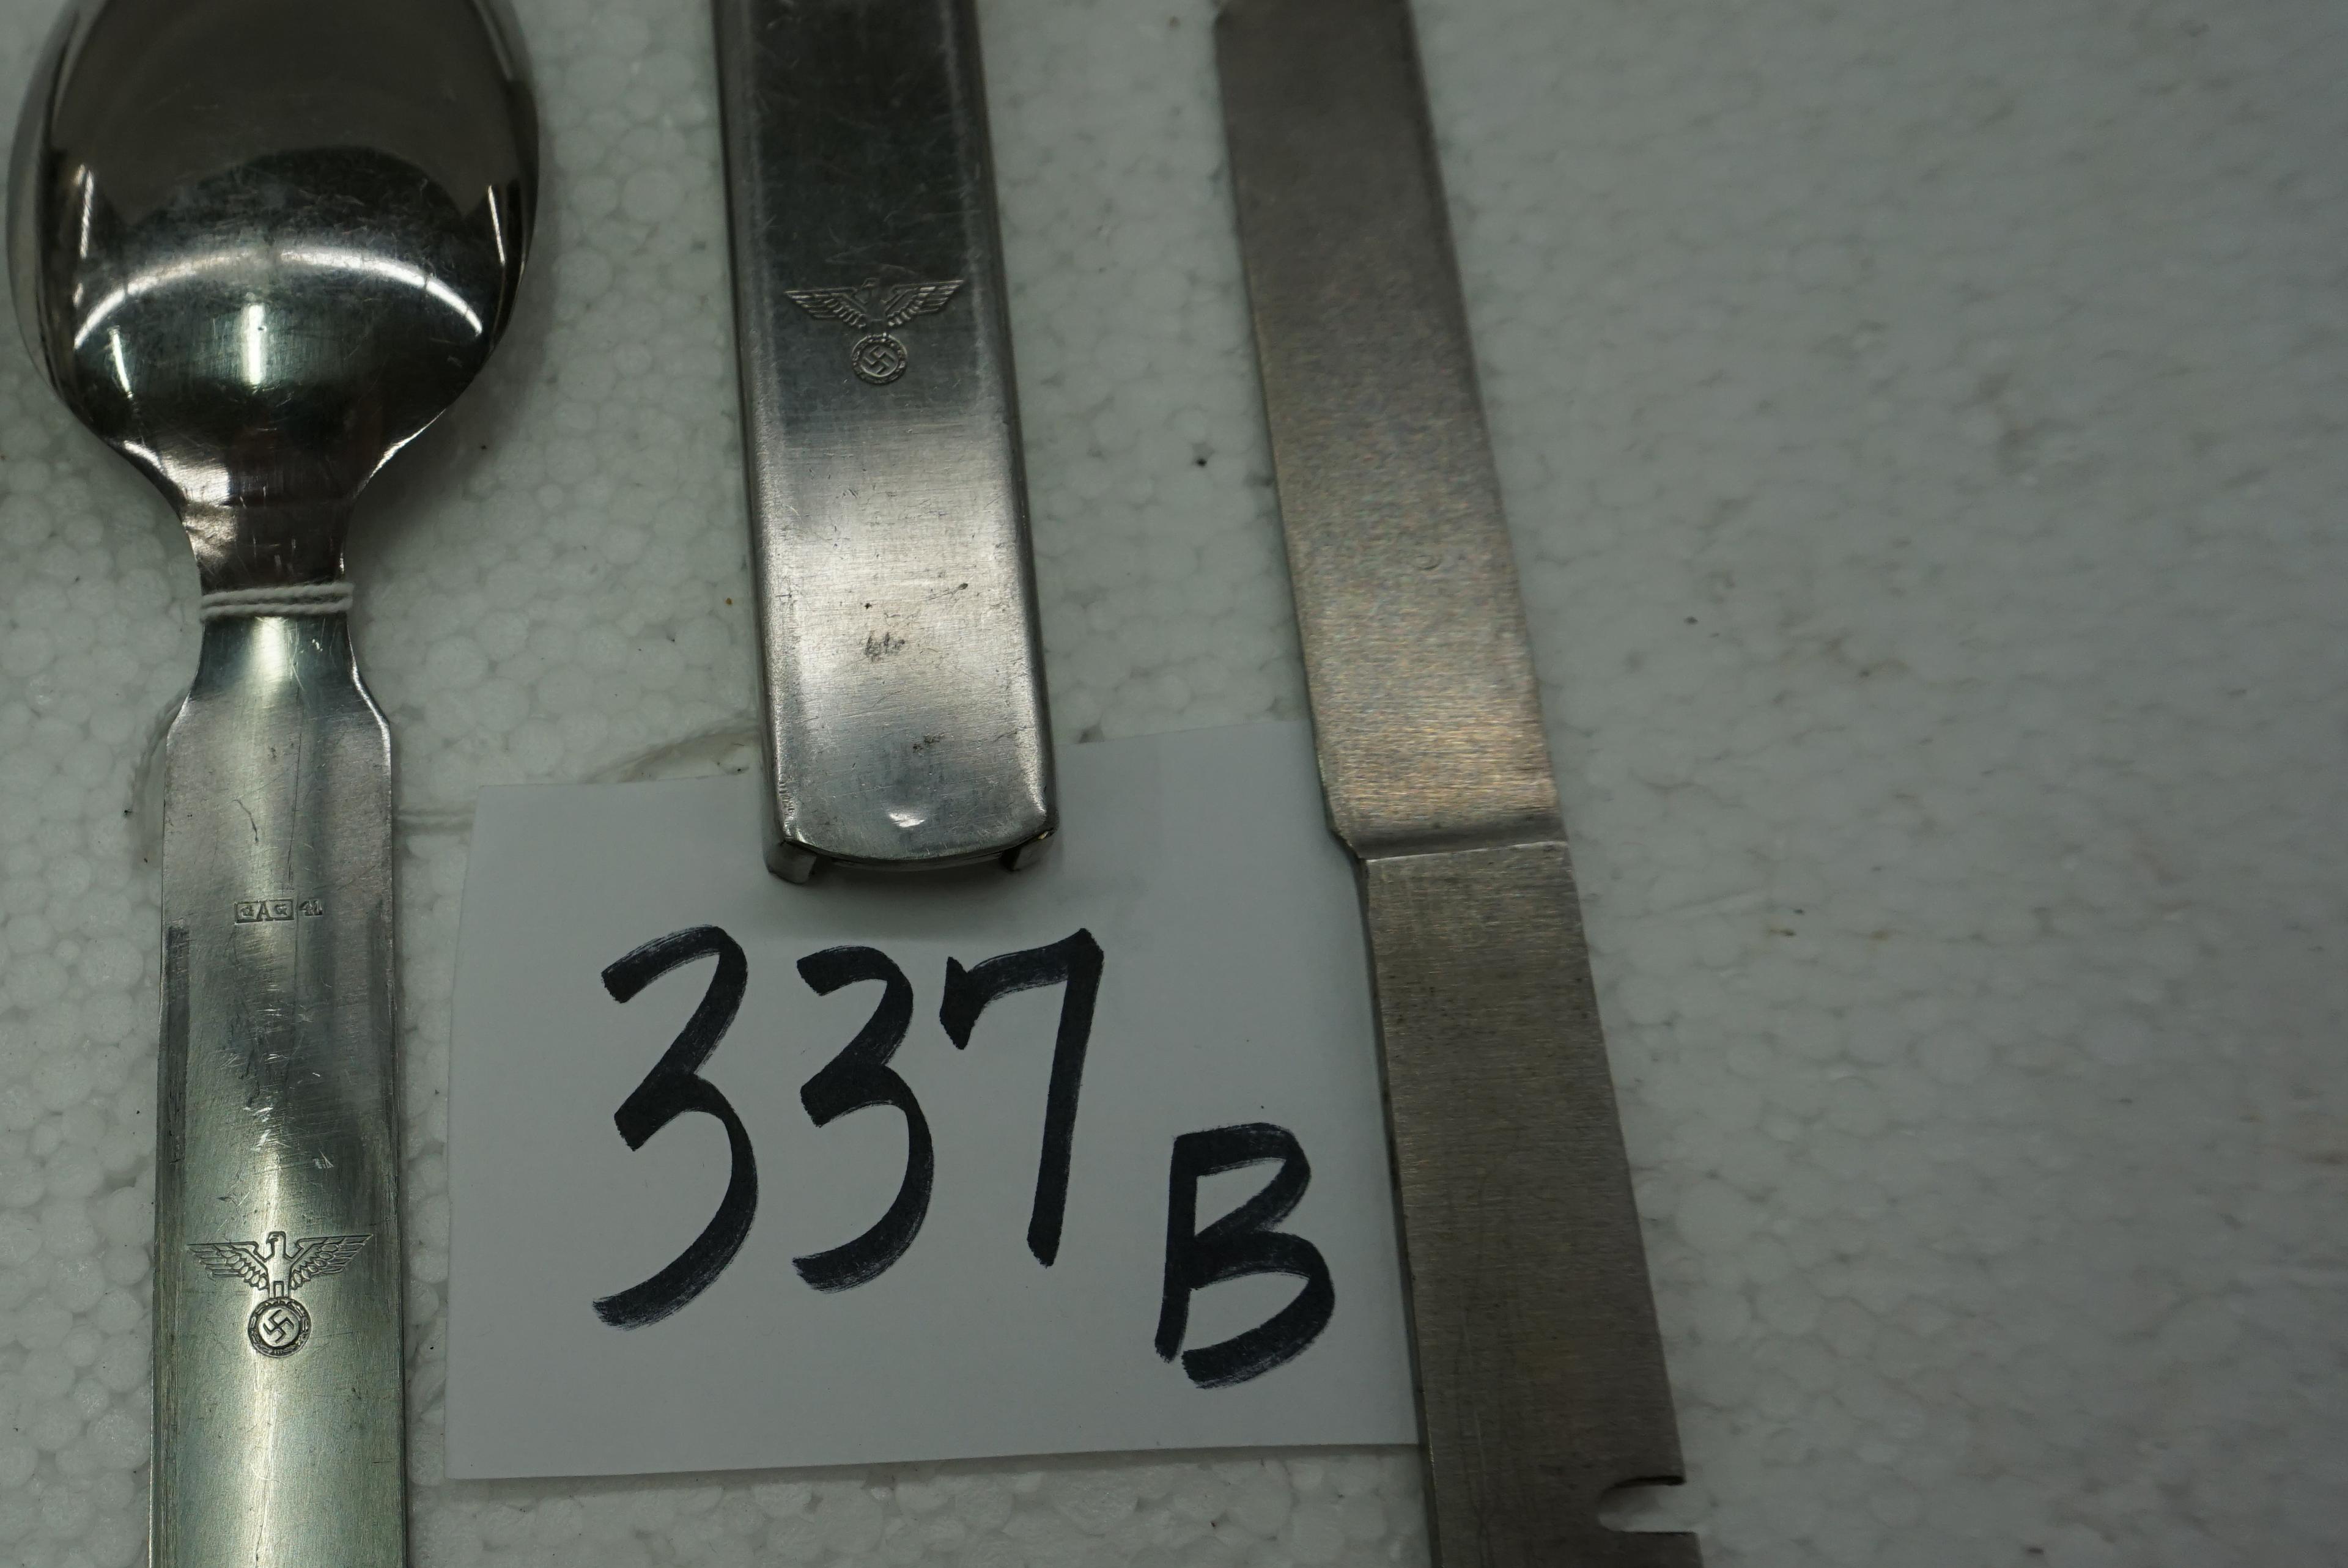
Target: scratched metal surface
1918, 425
1538, 1360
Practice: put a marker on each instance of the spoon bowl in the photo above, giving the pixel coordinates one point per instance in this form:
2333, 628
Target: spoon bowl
259, 245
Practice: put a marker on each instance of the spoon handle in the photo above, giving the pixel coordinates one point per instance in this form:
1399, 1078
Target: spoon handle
279, 1428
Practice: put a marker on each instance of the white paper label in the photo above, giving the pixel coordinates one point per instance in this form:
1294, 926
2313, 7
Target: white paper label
1086, 1158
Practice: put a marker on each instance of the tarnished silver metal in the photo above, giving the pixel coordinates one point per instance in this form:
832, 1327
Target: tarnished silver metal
1540, 1372
903, 719
258, 246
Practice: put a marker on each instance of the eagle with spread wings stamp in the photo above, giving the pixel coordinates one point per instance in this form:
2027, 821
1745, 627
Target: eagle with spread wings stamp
280, 1324
874, 307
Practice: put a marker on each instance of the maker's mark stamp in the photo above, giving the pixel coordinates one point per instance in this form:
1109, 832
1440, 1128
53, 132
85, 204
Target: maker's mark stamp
250, 911
875, 307
280, 1324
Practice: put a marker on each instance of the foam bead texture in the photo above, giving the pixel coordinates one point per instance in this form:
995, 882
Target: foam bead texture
1922, 429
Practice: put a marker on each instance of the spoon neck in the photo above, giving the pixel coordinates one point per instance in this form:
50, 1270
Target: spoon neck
245, 548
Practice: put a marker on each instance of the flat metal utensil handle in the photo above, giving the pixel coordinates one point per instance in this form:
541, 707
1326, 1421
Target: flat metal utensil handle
1540, 1372
902, 670
280, 1426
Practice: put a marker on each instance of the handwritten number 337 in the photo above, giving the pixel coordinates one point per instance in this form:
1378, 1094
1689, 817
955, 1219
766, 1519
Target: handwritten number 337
1243, 1243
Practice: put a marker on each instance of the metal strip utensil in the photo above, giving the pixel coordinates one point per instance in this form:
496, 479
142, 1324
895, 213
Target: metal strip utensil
903, 716
1539, 1369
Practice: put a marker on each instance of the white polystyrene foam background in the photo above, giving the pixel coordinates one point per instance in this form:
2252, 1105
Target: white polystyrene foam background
1921, 428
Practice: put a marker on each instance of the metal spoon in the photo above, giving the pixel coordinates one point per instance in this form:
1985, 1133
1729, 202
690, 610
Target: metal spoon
259, 245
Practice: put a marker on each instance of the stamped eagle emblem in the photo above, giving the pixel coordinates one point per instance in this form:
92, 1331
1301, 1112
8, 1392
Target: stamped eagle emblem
874, 307
280, 1324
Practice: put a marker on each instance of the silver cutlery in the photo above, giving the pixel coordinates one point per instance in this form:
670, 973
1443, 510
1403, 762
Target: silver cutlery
258, 246
1539, 1369
904, 717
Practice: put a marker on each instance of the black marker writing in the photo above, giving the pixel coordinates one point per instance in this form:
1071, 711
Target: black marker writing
860, 1076
669, 1091
1241, 1243
1073, 961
